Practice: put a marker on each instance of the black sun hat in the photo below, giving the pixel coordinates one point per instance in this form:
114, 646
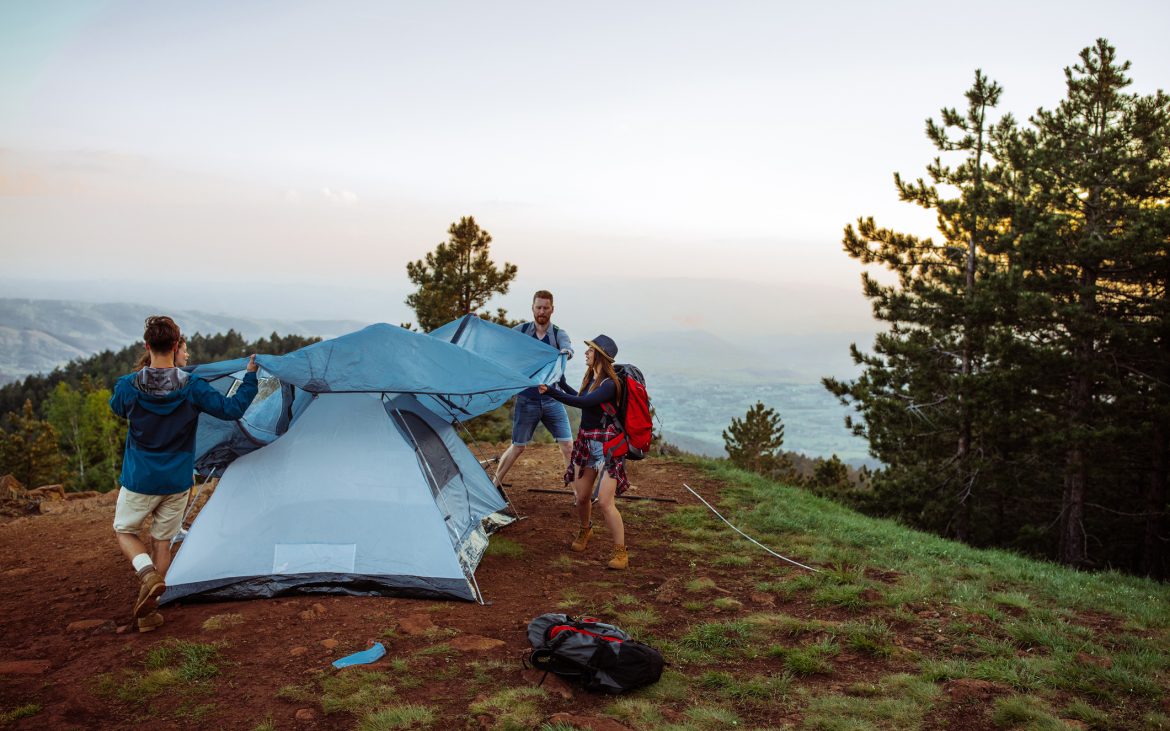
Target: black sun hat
605, 345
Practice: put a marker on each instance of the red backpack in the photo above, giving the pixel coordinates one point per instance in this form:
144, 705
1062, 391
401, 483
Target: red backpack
632, 416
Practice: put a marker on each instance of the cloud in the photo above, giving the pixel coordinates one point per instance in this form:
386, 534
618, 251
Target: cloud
340, 196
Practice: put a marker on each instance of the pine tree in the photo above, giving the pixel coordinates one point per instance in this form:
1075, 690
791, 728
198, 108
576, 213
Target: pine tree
753, 443
458, 278
922, 391
1095, 227
830, 478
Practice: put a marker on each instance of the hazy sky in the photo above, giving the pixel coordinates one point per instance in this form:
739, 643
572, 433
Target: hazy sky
234, 141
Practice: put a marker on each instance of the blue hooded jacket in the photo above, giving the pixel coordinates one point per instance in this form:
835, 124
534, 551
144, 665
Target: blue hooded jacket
163, 406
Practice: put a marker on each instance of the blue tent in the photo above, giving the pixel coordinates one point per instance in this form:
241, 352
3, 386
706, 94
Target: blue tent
517, 352
346, 475
451, 381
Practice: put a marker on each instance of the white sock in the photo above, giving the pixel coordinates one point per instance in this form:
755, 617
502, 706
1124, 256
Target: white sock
142, 561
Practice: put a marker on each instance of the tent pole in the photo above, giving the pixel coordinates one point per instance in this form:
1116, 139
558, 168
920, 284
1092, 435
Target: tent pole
479, 456
478, 592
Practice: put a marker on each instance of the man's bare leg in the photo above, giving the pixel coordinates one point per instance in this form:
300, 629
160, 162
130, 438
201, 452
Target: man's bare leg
131, 545
566, 452
510, 456
160, 554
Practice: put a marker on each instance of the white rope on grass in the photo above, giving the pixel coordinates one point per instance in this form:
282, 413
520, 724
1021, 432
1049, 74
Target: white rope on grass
745, 535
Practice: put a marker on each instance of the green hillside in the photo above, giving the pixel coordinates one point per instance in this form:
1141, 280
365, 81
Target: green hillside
1029, 644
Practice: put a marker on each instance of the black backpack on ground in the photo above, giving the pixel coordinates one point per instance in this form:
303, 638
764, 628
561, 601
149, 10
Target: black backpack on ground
598, 656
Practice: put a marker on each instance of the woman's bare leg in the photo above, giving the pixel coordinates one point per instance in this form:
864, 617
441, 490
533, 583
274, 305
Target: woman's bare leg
607, 504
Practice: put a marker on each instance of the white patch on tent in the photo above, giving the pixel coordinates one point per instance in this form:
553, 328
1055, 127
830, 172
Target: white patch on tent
304, 558
473, 546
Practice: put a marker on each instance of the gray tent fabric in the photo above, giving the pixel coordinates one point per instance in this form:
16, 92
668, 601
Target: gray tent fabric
366, 493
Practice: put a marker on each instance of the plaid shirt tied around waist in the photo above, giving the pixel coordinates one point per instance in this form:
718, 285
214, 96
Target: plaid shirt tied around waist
580, 458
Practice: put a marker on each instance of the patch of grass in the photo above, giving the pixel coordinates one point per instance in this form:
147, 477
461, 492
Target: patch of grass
1019, 673
179, 664
637, 621
512, 708
440, 650
672, 687
702, 584
808, 660
784, 625
726, 603
193, 713
897, 702
1015, 600
571, 599
712, 717
733, 560
504, 548
717, 638
845, 596
485, 672
626, 600
295, 693
764, 688
26, 711
1085, 713
1050, 633
562, 562
222, 621
803, 582
1023, 710
871, 638
195, 660
265, 725
398, 717
636, 712
988, 647
690, 517
356, 691
128, 686
1131, 674
694, 606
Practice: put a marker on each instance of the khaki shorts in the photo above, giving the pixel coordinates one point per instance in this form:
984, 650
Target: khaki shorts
133, 507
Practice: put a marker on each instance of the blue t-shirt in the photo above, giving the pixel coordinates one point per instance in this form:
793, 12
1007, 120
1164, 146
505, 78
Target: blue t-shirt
555, 337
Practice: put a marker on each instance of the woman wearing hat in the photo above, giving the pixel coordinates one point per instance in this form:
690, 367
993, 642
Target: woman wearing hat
600, 386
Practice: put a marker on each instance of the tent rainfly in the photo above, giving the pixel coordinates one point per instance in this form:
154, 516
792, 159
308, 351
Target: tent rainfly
346, 474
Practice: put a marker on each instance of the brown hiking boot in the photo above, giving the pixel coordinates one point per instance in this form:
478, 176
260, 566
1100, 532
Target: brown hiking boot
150, 622
620, 559
153, 587
582, 539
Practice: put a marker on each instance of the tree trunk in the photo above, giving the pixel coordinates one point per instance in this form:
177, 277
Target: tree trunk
1072, 535
1154, 544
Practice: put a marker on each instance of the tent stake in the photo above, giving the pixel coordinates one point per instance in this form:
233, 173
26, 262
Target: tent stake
624, 497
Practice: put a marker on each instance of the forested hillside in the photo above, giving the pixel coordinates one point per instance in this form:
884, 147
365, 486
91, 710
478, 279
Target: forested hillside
58, 428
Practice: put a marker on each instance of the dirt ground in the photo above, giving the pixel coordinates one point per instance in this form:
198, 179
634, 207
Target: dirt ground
67, 592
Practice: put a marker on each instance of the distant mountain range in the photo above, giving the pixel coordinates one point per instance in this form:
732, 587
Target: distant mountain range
36, 336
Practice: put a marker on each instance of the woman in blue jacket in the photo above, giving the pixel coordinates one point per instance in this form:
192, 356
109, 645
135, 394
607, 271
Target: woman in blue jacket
601, 387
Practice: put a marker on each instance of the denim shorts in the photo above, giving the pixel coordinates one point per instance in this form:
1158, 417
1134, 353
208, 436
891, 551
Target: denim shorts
529, 412
596, 454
